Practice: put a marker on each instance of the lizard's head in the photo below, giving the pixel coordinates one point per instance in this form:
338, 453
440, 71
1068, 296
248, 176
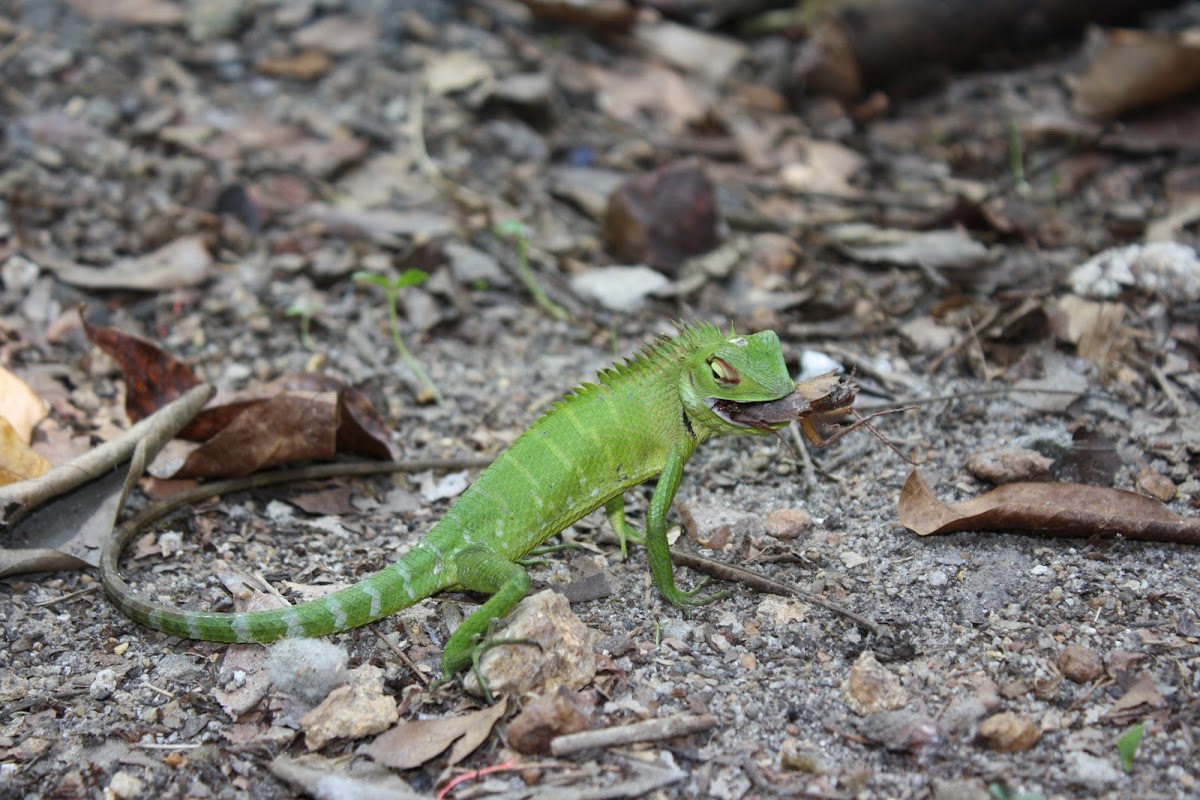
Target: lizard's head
740, 369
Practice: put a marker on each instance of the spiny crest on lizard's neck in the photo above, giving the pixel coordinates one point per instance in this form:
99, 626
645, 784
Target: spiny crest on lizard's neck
664, 352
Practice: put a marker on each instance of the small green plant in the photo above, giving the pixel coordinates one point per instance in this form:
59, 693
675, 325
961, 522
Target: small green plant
1127, 745
1016, 157
304, 310
392, 288
512, 229
1000, 790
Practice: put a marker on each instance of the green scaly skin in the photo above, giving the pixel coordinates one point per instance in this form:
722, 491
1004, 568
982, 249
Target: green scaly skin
643, 418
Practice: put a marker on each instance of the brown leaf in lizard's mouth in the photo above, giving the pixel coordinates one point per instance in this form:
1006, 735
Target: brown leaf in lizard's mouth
820, 395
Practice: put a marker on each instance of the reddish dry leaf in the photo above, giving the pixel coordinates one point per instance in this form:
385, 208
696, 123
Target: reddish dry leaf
153, 377
360, 428
1052, 509
410, 744
287, 427
295, 418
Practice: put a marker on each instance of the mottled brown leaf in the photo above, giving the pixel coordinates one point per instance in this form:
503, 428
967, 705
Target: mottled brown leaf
410, 744
153, 377
288, 427
1051, 509
360, 428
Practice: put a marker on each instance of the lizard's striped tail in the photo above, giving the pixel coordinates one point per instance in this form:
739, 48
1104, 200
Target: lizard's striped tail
413, 577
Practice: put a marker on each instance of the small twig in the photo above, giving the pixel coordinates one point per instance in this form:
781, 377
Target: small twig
157, 746
760, 782
1172, 396
66, 597
165, 693
416, 137
650, 730
403, 656
760, 583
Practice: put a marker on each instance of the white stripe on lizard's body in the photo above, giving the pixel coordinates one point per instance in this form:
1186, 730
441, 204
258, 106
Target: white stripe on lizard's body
642, 418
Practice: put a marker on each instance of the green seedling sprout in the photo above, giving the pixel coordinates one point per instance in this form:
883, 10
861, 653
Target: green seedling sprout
1016, 157
304, 310
392, 287
1127, 745
1000, 790
512, 229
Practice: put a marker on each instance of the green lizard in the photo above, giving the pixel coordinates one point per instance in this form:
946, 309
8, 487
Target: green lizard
642, 418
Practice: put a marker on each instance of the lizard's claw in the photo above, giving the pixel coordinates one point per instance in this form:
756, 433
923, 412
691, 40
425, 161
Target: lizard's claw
689, 598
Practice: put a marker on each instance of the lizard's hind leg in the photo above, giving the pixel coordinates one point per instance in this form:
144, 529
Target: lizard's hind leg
481, 570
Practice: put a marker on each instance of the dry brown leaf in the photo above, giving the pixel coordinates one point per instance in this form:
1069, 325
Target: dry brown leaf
1142, 696
178, 264
62, 519
20, 405
338, 34
1136, 69
131, 12
153, 377
1052, 509
17, 461
410, 744
298, 426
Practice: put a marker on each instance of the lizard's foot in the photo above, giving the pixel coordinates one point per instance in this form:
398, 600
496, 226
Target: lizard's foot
482, 645
626, 534
690, 598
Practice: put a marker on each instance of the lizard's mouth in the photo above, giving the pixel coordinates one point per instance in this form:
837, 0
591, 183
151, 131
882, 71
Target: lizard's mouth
727, 410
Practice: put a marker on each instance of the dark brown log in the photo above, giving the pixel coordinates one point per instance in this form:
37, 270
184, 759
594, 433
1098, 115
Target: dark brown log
867, 44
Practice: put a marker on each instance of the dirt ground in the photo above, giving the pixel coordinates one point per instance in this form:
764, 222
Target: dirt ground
212, 175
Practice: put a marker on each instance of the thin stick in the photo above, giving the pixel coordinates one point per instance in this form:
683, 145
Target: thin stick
650, 730
761, 583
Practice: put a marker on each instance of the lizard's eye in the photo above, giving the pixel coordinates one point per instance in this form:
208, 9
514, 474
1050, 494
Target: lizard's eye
724, 373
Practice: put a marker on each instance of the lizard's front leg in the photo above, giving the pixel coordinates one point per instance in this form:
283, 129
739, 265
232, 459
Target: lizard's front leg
658, 548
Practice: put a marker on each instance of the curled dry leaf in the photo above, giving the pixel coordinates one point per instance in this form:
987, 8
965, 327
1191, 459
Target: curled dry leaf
153, 377
178, 264
17, 461
823, 394
20, 405
295, 418
1051, 509
408, 745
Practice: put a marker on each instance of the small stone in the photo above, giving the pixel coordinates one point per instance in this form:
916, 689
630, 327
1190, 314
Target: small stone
1160, 487
1009, 465
1093, 772
618, 288
124, 786
351, 711
663, 218
1009, 733
547, 716
871, 688
902, 730
796, 757
564, 656
1080, 664
788, 523
103, 685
